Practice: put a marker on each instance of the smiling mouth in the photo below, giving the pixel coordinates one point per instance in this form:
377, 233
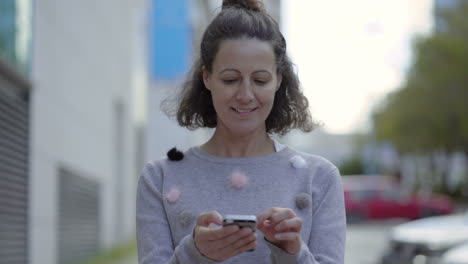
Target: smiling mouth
243, 110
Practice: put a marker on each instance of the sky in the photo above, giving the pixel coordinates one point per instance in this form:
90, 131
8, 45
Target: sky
350, 54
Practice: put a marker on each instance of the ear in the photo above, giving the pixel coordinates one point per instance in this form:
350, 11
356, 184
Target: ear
206, 77
279, 78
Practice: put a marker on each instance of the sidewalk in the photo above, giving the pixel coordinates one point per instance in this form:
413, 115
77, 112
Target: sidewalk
131, 260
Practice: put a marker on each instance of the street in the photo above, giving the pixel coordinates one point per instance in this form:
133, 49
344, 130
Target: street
366, 242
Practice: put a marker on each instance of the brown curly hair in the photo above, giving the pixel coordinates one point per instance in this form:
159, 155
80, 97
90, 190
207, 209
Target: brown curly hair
240, 19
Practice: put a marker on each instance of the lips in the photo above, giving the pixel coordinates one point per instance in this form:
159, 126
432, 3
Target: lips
243, 110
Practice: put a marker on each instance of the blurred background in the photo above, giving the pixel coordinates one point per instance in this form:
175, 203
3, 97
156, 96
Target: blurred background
81, 83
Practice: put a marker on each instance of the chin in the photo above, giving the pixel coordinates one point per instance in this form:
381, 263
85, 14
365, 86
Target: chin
245, 130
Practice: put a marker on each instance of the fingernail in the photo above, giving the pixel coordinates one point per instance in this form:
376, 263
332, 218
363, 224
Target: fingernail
214, 225
278, 236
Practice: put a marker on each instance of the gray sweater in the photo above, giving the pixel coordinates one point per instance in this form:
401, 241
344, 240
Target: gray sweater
171, 194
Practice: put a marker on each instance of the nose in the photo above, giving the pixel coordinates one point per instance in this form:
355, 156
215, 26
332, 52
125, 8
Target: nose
244, 92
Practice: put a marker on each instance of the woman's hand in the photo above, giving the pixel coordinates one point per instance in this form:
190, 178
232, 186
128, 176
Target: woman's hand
221, 243
281, 227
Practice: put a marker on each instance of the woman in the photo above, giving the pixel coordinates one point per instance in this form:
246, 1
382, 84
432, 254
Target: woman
244, 86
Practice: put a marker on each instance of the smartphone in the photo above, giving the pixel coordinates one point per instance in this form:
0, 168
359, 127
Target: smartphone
241, 221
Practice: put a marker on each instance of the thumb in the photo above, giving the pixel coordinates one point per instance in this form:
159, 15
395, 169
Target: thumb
205, 219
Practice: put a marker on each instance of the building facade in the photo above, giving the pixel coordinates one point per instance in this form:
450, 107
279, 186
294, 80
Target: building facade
15, 91
71, 127
14, 164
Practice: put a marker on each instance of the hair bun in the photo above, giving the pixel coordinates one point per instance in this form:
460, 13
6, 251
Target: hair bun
254, 5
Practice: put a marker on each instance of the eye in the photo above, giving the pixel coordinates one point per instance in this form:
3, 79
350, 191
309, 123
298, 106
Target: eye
229, 81
260, 82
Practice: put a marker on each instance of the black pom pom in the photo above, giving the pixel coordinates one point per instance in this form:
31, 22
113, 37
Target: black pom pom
186, 218
303, 200
175, 155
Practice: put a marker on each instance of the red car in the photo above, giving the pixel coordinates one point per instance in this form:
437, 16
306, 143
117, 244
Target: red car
381, 197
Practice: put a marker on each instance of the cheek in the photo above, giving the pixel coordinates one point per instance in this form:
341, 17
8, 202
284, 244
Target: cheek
216, 102
220, 100
267, 97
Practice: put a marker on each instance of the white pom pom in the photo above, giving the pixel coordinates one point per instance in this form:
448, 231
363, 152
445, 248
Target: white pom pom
298, 162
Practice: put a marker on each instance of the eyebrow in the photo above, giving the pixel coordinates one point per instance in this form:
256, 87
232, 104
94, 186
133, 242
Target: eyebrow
257, 71
228, 69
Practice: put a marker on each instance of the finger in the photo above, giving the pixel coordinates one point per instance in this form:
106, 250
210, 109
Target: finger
287, 236
265, 225
213, 234
250, 246
247, 243
281, 215
293, 224
208, 238
205, 219
266, 214
235, 240
243, 244
261, 227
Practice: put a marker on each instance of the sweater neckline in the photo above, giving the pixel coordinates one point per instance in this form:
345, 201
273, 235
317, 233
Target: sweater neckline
200, 153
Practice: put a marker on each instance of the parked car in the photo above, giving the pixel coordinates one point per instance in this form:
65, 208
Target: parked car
456, 255
380, 197
426, 240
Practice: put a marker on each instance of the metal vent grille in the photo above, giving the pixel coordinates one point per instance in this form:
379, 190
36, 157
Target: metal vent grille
78, 218
14, 130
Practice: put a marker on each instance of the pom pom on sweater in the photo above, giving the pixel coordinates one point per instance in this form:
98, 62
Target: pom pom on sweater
303, 200
173, 195
175, 155
298, 162
238, 180
186, 218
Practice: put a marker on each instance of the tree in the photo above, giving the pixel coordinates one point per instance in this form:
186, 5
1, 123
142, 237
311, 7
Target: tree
429, 113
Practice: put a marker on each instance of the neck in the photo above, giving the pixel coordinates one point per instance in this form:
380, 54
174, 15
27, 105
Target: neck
234, 146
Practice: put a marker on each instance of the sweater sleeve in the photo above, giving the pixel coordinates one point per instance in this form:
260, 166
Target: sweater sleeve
328, 232
154, 240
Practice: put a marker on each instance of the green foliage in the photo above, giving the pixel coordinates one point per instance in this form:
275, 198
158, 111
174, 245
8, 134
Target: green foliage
352, 166
114, 255
430, 111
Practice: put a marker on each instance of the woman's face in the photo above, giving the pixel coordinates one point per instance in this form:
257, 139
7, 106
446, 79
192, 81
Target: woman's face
243, 83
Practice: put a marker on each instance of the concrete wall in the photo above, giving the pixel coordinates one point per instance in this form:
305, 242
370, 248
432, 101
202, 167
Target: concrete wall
85, 66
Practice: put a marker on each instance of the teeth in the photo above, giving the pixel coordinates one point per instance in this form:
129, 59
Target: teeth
243, 111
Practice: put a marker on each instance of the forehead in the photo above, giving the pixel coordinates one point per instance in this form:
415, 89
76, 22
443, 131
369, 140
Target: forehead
245, 54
